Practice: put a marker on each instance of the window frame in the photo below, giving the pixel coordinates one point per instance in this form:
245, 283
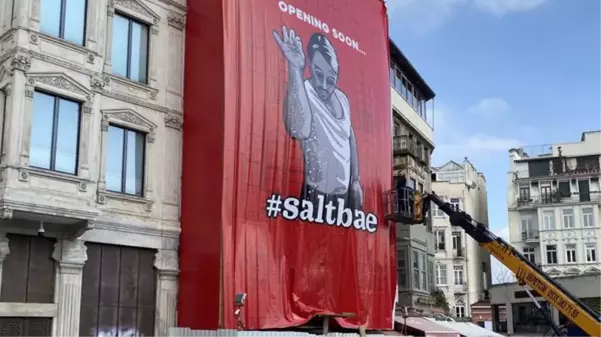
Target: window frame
124, 160
552, 251
437, 240
570, 249
441, 270
131, 19
530, 254
590, 216
61, 24
549, 216
590, 247
570, 216
55, 116
458, 270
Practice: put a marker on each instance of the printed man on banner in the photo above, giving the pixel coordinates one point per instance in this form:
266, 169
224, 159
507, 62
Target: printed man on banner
317, 115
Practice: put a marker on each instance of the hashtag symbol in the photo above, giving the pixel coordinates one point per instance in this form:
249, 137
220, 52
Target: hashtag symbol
273, 206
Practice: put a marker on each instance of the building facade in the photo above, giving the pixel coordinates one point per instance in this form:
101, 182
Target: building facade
462, 268
554, 200
91, 112
412, 146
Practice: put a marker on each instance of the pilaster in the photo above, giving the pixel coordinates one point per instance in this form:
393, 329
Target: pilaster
167, 265
71, 256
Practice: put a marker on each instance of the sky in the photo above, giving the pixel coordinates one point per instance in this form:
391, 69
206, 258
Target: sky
506, 73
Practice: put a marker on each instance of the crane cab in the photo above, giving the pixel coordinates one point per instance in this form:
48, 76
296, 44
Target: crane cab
405, 205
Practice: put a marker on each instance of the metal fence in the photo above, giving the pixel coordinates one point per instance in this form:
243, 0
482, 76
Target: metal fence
186, 332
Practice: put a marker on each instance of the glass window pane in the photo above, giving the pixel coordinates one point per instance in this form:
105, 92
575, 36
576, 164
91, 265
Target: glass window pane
120, 41
50, 17
67, 137
75, 20
139, 52
134, 165
40, 147
114, 159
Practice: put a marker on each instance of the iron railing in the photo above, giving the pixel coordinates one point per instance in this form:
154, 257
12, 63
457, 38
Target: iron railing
558, 198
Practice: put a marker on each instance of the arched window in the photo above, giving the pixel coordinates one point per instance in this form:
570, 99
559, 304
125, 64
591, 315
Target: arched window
459, 308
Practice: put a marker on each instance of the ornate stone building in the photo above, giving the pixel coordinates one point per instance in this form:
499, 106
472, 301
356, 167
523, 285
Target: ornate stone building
90, 122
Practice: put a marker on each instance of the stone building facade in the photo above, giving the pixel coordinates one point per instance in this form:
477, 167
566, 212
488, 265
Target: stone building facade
91, 116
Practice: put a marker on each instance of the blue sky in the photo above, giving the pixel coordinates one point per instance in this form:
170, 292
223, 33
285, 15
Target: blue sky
506, 73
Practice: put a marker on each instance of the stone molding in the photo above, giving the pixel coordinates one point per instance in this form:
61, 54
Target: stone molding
167, 262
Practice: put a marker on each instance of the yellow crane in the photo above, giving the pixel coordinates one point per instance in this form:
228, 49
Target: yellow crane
410, 207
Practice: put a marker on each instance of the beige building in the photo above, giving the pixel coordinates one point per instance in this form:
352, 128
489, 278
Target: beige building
412, 145
462, 268
554, 201
91, 111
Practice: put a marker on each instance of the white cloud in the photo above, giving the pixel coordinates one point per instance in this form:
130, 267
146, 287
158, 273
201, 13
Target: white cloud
492, 106
502, 7
426, 15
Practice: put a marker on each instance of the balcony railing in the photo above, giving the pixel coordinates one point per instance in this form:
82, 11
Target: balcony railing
530, 235
458, 253
558, 198
403, 145
578, 171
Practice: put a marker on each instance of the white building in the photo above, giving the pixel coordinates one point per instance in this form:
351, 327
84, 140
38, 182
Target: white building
413, 144
462, 267
553, 200
91, 111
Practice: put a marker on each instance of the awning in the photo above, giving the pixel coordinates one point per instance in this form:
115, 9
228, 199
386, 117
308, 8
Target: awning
427, 327
466, 329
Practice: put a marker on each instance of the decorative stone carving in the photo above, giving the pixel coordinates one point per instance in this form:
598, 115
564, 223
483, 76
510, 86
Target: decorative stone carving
176, 20
150, 138
148, 206
83, 187
6, 214
8, 89
173, 121
87, 108
90, 58
138, 7
20, 62
129, 116
166, 260
154, 30
104, 125
71, 252
24, 176
33, 38
62, 83
4, 247
101, 199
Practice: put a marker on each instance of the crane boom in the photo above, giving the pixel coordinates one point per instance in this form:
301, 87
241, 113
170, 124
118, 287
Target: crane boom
525, 271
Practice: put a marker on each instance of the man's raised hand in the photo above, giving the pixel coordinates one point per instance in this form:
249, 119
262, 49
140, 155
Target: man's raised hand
291, 46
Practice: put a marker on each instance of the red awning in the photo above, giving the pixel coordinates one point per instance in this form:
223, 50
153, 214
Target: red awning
429, 328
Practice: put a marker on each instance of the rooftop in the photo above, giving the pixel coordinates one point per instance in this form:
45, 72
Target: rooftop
410, 72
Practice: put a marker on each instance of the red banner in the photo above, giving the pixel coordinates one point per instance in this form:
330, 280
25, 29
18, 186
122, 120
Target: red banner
287, 150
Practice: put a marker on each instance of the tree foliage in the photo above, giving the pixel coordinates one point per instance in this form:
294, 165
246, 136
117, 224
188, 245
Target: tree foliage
440, 300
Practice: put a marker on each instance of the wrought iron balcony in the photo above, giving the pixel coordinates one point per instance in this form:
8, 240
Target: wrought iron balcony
557, 198
530, 235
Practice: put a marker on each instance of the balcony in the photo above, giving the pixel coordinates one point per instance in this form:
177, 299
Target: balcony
403, 145
459, 253
460, 289
557, 198
556, 167
530, 236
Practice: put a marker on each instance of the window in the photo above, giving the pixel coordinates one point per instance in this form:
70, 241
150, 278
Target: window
441, 274
564, 189
568, 218
455, 204
54, 133
430, 276
524, 193
587, 217
440, 243
456, 240
401, 270
591, 252
548, 219
551, 254
422, 268
458, 275
411, 183
529, 254
125, 161
130, 48
571, 253
435, 210
65, 19
528, 230
420, 187
459, 310
415, 269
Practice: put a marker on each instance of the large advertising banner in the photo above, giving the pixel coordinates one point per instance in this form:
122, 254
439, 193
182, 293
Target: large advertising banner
290, 212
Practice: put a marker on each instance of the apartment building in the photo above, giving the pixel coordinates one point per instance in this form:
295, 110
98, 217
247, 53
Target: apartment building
462, 268
91, 111
412, 146
553, 202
